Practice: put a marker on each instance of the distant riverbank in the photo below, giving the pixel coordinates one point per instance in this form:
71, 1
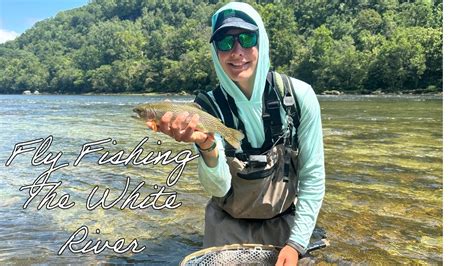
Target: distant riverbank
183, 93
109, 94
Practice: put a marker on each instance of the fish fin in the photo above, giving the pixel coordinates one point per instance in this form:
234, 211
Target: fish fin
154, 126
233, 137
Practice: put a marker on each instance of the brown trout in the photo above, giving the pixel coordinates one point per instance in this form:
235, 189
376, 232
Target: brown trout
207, 122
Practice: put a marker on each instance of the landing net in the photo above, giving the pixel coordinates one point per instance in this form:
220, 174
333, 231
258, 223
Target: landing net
235, 254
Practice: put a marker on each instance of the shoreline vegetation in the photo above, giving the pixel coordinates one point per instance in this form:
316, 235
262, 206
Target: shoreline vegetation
171, 94
114, 46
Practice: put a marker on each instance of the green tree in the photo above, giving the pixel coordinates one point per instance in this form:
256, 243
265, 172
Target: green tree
344, 67
102, 79
65, 77
368, 19
282, 30
162, 45
400, 63
308, 64
417, 13
20, 71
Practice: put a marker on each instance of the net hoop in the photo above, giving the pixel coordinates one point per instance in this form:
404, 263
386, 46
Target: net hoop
232, 247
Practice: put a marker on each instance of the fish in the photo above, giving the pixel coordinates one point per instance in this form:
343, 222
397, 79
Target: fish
207, 123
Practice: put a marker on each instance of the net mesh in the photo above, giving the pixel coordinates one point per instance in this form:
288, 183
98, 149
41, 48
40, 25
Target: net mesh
234, 255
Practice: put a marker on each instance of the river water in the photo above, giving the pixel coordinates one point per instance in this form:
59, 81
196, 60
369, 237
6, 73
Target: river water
383, 200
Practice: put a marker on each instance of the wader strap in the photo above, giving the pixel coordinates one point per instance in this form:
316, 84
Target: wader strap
271, 114
226, 113
271, 120
290, 91
206, 103
293, 109
226, 104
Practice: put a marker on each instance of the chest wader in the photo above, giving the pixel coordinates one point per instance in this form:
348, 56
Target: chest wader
259, 207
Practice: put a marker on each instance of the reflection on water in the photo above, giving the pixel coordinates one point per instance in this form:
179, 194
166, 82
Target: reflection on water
383, 199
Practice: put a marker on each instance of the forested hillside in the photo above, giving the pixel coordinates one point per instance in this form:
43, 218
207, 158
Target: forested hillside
113, 46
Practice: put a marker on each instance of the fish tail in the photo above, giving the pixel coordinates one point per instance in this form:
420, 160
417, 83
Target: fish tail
233, 137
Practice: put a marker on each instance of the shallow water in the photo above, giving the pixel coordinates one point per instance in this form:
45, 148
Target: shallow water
383, 200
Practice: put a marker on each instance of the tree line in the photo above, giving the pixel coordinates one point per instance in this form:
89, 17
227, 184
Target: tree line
134, 46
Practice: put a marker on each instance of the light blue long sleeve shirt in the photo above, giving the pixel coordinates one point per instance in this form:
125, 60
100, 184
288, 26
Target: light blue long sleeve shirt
311, 175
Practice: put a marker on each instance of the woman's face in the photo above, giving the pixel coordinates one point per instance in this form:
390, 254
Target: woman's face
239, 63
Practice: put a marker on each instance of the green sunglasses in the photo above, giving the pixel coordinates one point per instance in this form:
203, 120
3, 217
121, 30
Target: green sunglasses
246, 40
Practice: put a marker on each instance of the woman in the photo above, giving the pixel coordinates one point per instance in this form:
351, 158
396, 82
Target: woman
254, 199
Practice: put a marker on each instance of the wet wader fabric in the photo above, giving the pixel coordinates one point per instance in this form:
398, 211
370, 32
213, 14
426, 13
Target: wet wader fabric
259, 207
222, 229
260, 192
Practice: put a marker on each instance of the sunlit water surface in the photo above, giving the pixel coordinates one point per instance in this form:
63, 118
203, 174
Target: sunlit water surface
383, 200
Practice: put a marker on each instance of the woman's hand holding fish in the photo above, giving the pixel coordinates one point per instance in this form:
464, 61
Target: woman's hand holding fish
182, 127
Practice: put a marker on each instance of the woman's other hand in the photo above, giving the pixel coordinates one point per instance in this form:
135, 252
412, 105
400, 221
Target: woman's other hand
288, 256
